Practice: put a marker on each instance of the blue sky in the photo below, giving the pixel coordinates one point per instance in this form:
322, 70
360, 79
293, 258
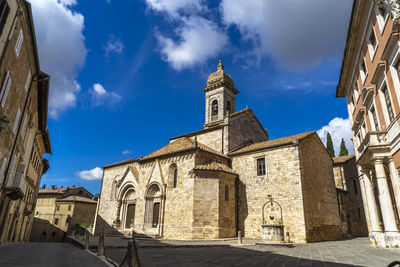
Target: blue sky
126, 75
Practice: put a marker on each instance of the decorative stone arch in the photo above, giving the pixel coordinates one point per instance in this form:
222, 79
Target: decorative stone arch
154, 207
127, 197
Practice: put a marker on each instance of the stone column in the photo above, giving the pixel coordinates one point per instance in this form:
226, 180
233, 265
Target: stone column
394, 177
364, 198
384, 197
371, 204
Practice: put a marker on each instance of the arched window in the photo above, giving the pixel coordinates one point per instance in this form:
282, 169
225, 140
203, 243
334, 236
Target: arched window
175, 177
226, 193
228, 107
214, 107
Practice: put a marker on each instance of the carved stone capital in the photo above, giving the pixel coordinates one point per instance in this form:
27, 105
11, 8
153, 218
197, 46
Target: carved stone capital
393, 6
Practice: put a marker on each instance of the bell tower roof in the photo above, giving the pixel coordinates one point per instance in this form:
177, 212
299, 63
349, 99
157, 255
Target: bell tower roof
220, 79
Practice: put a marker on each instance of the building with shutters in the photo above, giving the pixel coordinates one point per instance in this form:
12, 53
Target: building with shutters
24, 137
214, 182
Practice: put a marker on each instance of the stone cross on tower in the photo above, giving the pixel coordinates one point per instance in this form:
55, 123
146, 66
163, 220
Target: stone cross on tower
220, 96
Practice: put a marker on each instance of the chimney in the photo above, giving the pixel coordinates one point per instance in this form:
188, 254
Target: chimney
53, 187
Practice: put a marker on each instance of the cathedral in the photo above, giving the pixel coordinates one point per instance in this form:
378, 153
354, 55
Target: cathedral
215, 182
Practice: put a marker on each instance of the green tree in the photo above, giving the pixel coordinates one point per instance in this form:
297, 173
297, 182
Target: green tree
44, 186
329, 145
343, 149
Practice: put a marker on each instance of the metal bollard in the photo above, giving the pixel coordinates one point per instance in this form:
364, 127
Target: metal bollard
132, 254
86, 239
239, 237
100, 247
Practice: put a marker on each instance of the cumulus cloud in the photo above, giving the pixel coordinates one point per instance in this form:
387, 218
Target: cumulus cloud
101, 95
199, 39
338, 128
114, 45
126, 152
62, 51
285, 30
90, 175
172, 7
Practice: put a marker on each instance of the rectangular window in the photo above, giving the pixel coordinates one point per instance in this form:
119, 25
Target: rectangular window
47, 217
18, 45
56, 221
2, 169
12, 168
58, 208
261, 166
5, 88
4, 11
375, 119
388, 102
50, 201
16, 121
69, 207
363, 70
23, 125
40, 202
28, 81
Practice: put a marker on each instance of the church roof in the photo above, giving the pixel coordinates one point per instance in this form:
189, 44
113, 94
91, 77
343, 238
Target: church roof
342, 159
272, 143
214, 166
180, 145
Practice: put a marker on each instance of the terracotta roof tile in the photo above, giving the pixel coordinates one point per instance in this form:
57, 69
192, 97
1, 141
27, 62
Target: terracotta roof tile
342, 159
272, 143
181, 144
214, 166
77, 199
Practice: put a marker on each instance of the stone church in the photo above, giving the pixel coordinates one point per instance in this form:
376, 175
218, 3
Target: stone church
214, 182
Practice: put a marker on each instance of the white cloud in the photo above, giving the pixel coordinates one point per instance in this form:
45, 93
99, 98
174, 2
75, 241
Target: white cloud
338, 128
101, 95
126, 152
172, 7
286, 30
114, 45
62, 51
90, 175
199, 39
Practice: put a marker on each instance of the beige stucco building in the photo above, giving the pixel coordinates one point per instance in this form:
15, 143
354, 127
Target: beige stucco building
214, 182
370, 82
58, 210
25, 139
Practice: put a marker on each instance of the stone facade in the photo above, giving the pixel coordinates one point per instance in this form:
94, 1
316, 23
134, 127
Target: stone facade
60, 209
351, 208
23, 102
206, 184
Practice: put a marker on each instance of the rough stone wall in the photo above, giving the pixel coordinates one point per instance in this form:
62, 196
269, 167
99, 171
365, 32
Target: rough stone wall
319, 193
227, 206
83, 213
351, 207
206, 205
212, 139
244, 128
282, 181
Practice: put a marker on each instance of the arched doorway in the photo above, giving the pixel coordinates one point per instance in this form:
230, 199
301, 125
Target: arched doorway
153, 206
128, 207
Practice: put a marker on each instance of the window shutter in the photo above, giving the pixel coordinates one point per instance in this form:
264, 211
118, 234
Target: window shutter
18, 45
23, 125
16, 121
5, 88
2, 169
28, 80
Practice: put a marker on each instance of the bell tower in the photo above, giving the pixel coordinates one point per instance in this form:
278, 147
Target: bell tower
220, 97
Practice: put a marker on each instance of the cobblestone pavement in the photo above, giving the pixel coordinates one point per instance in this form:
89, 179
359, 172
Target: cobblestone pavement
46, 254
355, 252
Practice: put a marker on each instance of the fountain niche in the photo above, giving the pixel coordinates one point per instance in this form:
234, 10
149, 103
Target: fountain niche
272, 226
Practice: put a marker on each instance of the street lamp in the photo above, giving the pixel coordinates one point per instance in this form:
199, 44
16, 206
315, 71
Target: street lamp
3, 122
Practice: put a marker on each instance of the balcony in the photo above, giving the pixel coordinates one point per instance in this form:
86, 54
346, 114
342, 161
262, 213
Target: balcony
373, 140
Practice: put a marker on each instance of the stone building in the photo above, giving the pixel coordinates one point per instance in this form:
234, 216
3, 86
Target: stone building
370, 82
60, 209
214, 182
351, 209
24, 136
